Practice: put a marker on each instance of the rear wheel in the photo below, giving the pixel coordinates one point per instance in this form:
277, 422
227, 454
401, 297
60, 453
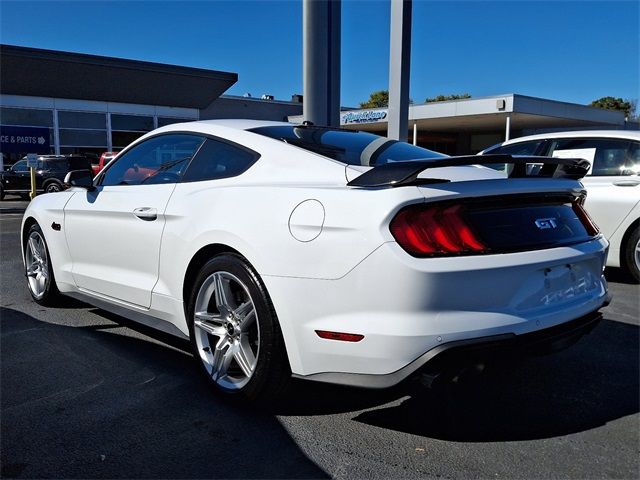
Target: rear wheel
53, 187
234, 331
40, 279
631, 255
1, 193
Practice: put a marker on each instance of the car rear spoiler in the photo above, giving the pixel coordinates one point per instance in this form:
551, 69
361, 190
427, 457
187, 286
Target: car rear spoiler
400, 174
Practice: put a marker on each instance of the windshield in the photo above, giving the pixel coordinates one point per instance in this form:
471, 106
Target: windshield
347, 146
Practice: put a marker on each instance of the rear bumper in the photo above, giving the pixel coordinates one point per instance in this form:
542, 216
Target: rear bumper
405, 307
456, 355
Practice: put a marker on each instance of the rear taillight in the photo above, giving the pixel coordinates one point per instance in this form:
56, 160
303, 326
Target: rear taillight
585, 219
426, 231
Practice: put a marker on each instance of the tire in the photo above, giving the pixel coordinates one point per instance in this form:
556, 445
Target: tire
631, 255
53, 187
1, 193
39, 272
236, 337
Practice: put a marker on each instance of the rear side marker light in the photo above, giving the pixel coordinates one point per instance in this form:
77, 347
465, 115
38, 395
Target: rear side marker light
425, 231
345, 337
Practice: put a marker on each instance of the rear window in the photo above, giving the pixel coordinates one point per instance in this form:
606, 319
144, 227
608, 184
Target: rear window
346, 146
79, 163
58, 164
520, 148
609, 156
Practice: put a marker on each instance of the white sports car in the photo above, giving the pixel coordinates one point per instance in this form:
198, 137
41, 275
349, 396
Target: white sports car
286, 250
612, 183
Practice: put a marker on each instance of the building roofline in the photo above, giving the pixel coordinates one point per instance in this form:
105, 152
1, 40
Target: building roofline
50, 73
257, 99
117, 62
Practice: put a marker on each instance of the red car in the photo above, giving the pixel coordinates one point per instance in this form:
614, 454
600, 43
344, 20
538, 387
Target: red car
105, 158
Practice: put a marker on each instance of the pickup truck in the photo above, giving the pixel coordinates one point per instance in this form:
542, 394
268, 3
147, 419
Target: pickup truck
105, 158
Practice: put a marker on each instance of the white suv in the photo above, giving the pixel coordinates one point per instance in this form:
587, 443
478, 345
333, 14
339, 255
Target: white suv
613, 183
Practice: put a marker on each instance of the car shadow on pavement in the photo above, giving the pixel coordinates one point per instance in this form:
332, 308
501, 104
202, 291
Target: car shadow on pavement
302, 398
586, 386
97, 402
618, 275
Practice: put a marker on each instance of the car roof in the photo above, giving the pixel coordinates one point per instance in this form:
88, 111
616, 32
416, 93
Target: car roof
239, 124
625, 134
47, 157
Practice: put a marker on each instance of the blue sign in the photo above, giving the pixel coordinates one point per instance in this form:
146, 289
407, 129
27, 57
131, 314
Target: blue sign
364, 116
24, 139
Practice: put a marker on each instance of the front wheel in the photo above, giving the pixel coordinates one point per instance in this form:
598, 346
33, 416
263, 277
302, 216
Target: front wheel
632, 255
234, 331
40, 279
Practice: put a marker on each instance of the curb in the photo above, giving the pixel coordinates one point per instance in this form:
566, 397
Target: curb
11, 210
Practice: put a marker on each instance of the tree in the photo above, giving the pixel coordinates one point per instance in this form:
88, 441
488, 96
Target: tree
377, 99
612, 103
444, 98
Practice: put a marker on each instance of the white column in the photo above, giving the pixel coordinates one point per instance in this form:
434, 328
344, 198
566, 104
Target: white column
56, 133
109, 140
507, 128
415, 133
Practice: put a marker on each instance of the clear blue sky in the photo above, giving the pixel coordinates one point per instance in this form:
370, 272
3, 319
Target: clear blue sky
572, 51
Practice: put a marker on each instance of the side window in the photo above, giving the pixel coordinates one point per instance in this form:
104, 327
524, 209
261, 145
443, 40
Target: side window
20, 166
217, 159
522, 148
607, 156
161, 159
58, 165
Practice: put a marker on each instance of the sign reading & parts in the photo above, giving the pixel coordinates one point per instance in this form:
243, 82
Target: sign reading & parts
364, 116
24, 139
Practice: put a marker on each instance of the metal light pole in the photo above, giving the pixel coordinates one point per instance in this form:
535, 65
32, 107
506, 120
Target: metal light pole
399, 68
321, 61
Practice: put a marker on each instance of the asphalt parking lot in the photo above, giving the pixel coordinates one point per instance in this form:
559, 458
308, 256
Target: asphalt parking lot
86, 394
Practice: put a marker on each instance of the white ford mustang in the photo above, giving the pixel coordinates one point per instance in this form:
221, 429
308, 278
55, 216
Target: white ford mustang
279, 251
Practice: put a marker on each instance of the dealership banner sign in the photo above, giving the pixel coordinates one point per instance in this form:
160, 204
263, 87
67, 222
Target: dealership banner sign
24, 139
364, 116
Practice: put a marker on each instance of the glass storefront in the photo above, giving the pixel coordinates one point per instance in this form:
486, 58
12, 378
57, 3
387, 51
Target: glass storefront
33, 130
127, 128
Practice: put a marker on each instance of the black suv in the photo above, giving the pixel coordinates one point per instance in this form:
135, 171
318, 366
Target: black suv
50, 174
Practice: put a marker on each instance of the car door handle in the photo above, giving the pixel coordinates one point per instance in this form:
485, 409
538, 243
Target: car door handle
627, 183
146, 213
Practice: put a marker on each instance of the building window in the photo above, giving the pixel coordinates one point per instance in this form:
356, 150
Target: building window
162, 121
128, 128
136, 123
82, 120
26, 116
83, 138
119, 140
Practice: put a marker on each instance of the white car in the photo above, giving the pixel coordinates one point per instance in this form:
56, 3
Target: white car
279, 251
613, 182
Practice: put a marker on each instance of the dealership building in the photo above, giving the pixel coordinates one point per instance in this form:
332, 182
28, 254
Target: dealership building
462, 127
54, 102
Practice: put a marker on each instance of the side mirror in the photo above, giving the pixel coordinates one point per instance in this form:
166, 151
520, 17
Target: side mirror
80, 178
